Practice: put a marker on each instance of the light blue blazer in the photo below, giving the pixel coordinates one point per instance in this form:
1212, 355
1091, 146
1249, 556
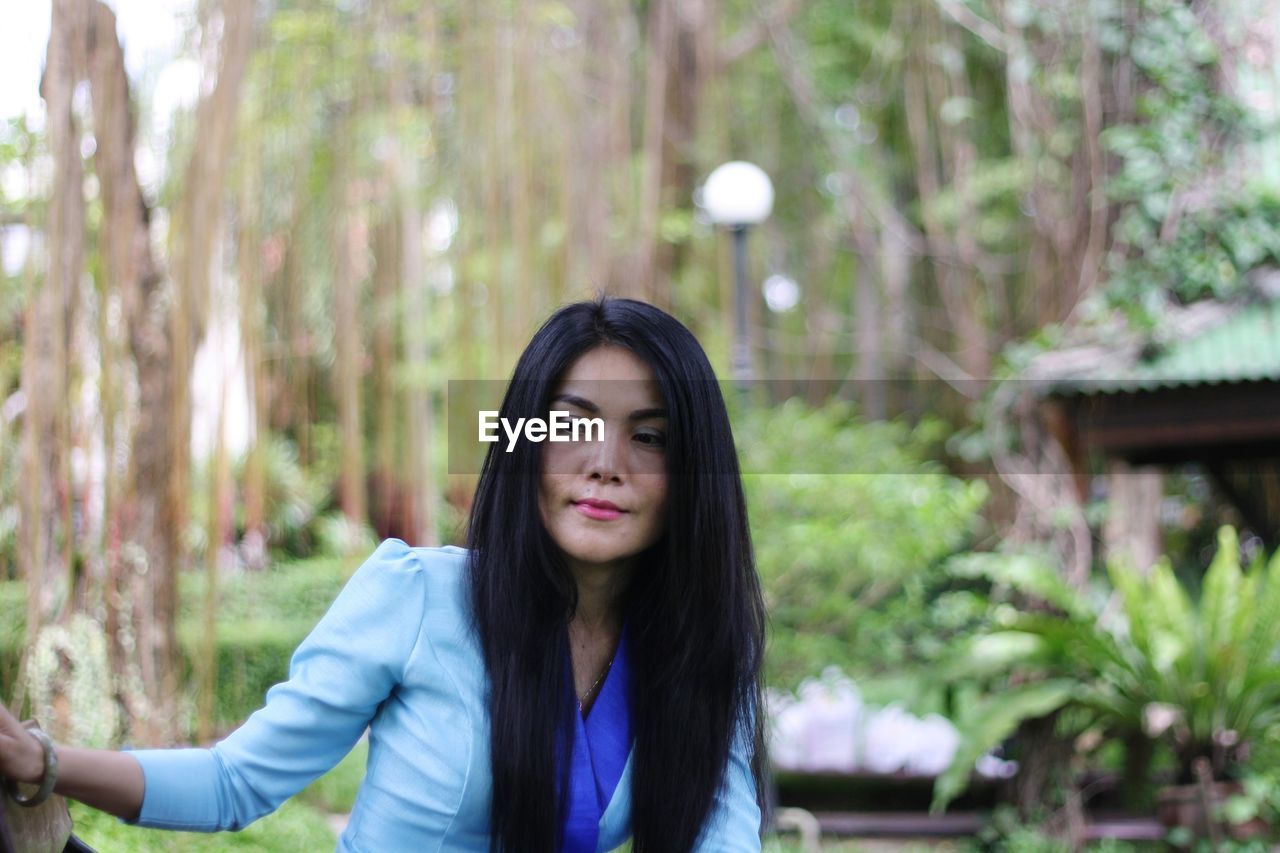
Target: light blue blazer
395, 654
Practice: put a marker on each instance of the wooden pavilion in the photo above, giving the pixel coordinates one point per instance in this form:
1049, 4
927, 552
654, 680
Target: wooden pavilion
1207, 392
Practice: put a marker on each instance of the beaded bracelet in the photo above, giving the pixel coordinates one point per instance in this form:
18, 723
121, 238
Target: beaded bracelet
50, 770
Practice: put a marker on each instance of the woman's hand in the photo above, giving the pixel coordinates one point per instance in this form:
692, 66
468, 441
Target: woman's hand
21, 756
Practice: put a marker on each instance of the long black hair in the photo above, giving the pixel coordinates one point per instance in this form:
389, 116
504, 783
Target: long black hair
694, 609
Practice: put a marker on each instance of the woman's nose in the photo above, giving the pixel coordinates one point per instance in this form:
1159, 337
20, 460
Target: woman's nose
606, 458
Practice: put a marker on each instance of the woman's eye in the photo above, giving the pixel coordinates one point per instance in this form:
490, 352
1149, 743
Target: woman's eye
652, 439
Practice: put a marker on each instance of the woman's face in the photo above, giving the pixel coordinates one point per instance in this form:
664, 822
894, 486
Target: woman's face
626, 469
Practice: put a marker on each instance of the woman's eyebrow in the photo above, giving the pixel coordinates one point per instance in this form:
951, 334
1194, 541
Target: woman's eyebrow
643, 414
587, 405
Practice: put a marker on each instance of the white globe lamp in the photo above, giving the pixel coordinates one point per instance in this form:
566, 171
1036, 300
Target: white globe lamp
738, 194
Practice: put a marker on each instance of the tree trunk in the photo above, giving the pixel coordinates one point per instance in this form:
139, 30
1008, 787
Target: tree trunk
385, 494
677, 64
197, 219
249, 246
1044, 790
141, 583
139, 623
587, 172
420, 491
1132, 529
944, 157
870, 368
348, 240
45, 539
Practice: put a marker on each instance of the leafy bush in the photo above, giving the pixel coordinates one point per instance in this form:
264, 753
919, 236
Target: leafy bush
298, 590
261, 619
1203, 676
250, 658
292, 499
339, 535
1190, 223
849, 561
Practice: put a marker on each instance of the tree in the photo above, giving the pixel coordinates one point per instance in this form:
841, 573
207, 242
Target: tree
45, 533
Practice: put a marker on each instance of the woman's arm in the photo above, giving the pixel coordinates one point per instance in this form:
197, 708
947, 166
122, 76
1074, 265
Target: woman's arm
734, 823
106, 780
337, 677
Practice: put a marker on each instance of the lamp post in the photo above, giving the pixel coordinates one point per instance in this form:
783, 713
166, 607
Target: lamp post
736, 196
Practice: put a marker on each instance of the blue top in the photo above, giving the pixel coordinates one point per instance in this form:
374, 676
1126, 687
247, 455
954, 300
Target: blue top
601, 744
395, 654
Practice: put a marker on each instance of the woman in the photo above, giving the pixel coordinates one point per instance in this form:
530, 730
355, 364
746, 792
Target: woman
586, 673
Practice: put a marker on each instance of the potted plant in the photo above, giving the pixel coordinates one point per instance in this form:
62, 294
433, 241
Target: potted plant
1201, 676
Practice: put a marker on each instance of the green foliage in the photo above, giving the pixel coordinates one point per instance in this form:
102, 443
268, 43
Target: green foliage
250, 658
990, 721
13, 631
337, 534
10, 458
1187, 230
293, 493
1009, 832
292, 498
994, 196
297, 591
1026, 572
261, 619
1259, 801
846, 558
1206, 257
18, 146
1202, 676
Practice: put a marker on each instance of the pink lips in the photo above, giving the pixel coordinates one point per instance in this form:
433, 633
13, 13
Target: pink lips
599, 510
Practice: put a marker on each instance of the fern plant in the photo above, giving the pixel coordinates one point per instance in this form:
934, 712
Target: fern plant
1149, 661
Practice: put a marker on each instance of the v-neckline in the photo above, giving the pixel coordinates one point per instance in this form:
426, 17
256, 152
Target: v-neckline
601, 748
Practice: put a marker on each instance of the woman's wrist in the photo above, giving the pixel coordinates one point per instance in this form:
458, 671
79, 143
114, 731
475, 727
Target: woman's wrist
33, 764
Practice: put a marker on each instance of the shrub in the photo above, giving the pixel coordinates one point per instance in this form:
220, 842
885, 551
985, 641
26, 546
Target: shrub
1200, 676
849, 561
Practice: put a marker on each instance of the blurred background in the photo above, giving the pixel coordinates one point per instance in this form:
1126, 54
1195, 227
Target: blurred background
1005, 270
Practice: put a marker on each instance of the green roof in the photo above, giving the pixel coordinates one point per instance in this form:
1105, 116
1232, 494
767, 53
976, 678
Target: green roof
1244, 347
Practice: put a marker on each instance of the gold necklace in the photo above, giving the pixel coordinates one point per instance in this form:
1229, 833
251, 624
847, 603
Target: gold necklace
591, 689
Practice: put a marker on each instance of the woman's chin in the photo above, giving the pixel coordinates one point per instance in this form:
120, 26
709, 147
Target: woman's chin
587, 556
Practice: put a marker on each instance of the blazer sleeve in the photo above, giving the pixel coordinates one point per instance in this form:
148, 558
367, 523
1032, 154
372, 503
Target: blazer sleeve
734, 822
338, 676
